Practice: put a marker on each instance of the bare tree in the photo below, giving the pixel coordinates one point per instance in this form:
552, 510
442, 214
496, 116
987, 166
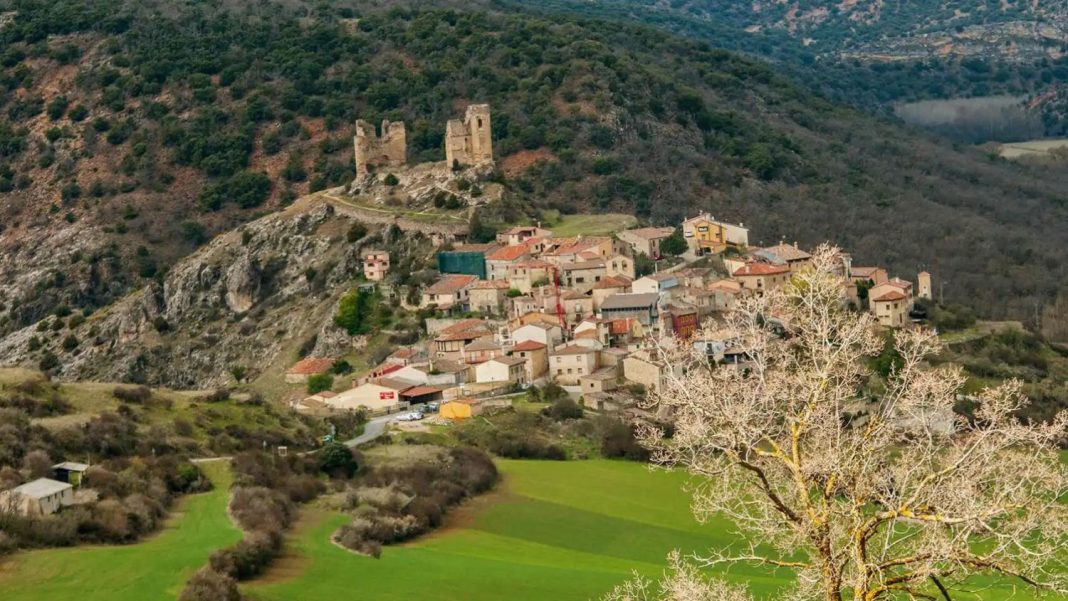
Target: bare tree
894, 504
37, 464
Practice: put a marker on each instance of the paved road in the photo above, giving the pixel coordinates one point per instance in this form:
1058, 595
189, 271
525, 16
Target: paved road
372, 430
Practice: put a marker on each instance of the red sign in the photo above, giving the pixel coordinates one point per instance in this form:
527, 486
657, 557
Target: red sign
386, 396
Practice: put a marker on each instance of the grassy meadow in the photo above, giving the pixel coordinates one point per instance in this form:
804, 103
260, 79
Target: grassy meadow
154, 569
554, 530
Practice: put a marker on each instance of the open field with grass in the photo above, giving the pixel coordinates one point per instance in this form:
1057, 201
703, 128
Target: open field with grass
154, 569
604, 224
553, 531
1032, 148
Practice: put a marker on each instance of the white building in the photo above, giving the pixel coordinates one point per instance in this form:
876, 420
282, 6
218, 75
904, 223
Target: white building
43, 496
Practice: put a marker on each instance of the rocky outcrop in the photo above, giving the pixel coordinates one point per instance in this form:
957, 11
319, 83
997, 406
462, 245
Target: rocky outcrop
248, 298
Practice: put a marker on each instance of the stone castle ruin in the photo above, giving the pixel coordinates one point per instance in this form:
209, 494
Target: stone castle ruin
468, 143
373, 151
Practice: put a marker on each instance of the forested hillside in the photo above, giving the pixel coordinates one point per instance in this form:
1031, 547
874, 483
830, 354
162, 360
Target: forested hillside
871, 54
131, 132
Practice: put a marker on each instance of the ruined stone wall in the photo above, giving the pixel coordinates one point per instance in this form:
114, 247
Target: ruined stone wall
470, 142
374, 151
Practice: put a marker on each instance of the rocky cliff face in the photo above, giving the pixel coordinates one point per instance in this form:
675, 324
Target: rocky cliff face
240, 301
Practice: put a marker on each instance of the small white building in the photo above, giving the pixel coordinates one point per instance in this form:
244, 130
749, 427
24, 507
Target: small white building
43, 496
502, 369
380, 396
548, 335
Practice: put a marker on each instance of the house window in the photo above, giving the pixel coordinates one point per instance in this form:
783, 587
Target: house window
569, 371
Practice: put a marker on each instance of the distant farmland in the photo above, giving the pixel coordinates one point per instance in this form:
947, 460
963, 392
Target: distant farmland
1033, 148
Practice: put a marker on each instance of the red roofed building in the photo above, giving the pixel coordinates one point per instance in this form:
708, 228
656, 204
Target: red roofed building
536, 356
308, 366
757, 277
500, 261
891, 308
449, 291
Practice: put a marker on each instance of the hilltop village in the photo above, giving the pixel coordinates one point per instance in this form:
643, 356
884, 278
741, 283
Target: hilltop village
585, 312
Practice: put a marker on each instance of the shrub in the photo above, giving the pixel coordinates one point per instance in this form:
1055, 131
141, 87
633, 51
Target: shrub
209, 585
564, 409
132, 394
390, 180
618, 441
337, 461
320, 382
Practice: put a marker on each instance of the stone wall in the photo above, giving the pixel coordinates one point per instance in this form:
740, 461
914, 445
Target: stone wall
374, 151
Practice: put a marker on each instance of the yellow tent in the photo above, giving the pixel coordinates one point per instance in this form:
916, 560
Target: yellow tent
459, 409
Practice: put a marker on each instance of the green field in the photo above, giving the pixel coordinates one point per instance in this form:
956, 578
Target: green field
155, 569
604, 224
556, 530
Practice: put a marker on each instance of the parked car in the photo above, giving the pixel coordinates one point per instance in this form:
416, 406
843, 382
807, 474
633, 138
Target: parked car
411, 416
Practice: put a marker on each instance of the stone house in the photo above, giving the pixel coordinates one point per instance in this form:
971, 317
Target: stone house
449, 291
646, 240
757, 277
704, 300
519, 306
578, 249
488, 296
535, 356
480, 351
499, 262
583, 275
599, 328
521, 234
704, 234
642, 368
306, 367
525, 274
789, 255
695, 277
643, 307
604, 379
576, 306
568, 364
891, 308
450, 342
619, 266
607, 287
375, 265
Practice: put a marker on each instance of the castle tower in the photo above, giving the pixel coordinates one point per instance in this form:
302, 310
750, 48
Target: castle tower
923, 280
470, 141
477, 120
388, 150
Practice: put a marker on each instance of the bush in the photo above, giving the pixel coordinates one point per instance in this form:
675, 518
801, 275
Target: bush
564, 409
618, 441
398, 502
337, 461
320, 382
209, 585
132, 394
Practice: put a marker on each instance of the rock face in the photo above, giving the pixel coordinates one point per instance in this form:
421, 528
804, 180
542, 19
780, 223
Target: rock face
242, 300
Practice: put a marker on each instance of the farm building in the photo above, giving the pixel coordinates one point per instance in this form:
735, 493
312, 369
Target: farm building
43, 496
380, 396
70, 472
309, 366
